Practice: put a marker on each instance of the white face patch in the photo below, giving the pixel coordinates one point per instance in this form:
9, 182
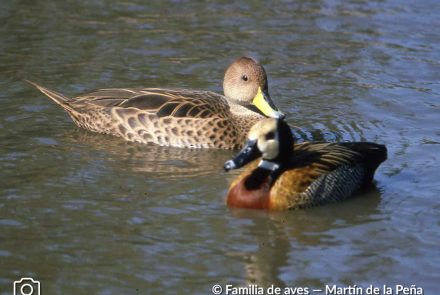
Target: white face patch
268, 147
253, 134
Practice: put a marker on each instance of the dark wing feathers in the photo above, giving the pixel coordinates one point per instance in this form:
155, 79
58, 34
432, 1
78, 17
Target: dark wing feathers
326, 157
183, 110
373, 153
107, 97
146, 101
162, 102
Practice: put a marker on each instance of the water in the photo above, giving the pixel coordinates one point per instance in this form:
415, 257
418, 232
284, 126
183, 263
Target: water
91, 214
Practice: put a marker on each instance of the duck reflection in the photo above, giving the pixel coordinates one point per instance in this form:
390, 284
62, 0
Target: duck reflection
285, 239
167, 162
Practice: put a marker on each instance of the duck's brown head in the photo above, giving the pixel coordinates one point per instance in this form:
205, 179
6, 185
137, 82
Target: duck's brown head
245, 82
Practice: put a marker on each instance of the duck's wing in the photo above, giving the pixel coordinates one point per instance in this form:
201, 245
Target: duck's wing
328, 172
108, 97
324, 157
318, 173
161, 102
372, 154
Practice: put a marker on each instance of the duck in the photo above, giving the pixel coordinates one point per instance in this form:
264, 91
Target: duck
283, 175
177, 117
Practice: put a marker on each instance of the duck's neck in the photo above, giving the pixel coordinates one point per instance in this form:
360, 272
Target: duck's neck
244, 110
267, 171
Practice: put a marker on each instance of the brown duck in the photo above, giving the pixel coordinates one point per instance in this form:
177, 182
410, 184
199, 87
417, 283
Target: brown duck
179, 117
292, 176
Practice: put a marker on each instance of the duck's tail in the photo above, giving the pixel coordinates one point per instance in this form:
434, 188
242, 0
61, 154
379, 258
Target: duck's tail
373, 154
57, 97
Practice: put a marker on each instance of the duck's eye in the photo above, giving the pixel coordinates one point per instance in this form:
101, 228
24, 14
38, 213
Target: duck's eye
270, 135
244, 78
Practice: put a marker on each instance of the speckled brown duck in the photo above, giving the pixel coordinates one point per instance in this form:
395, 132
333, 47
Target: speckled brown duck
292, 176
178, 117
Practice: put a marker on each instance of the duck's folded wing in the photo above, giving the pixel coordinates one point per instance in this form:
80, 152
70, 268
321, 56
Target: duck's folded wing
162, 102
108, 97
325, 157
321, 173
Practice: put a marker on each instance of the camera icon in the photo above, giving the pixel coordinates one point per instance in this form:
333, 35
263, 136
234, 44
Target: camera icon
27, 286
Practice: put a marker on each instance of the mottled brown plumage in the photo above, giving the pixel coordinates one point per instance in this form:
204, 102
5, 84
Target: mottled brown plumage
292, 176
177, 117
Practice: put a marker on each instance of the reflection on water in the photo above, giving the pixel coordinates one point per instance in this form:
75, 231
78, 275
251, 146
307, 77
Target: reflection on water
164, 162
282, 236
88, 213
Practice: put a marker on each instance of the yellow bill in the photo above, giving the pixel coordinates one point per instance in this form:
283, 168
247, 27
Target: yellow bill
263, 102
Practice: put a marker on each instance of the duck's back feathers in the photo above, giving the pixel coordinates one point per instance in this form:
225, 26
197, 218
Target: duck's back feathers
323, 155
162, 102
326, 157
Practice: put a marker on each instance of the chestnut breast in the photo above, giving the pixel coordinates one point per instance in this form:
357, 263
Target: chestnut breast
240, 197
